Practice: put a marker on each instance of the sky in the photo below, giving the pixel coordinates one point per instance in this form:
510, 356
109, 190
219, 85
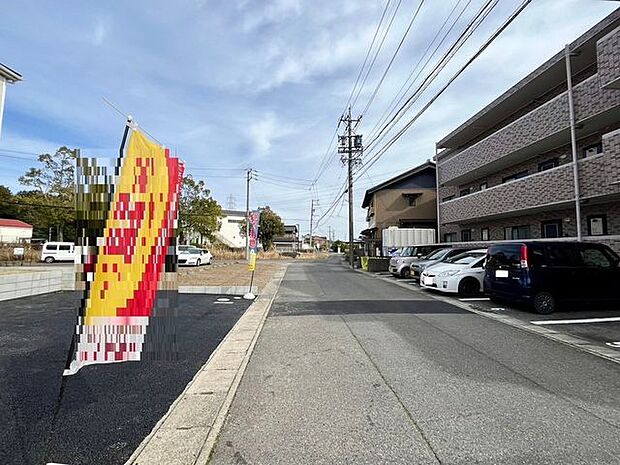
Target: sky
237, 84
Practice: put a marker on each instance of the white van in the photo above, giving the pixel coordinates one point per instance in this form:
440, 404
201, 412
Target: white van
58, 252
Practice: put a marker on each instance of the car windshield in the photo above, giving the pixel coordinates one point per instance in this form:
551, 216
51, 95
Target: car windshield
437, 254
407, 252
466, 258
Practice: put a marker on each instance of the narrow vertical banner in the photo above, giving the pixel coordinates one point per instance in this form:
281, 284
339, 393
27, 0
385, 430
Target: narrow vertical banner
126, 262
254, 220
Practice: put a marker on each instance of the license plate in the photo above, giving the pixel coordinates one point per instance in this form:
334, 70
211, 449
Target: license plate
501, 273
427, 281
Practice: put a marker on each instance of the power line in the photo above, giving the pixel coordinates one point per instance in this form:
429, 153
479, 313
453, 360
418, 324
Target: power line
374, 58
439, 66
372, 43
398, 97
387, 69
488, 42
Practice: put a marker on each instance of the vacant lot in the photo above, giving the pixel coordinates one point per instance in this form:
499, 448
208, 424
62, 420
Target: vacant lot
234, 273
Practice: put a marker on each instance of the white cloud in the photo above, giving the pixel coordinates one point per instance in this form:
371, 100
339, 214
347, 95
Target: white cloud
99, 32
265, 132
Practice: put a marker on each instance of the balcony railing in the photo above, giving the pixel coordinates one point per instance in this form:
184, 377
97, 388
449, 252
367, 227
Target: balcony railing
531, 130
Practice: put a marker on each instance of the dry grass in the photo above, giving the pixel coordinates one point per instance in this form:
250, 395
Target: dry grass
223, 253
7, 257
233, 273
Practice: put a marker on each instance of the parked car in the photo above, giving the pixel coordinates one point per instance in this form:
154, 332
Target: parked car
462, 274
58, 252
439, 255
400, 264
544, 274
189, 255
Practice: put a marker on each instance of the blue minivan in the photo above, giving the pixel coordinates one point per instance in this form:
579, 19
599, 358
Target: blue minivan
544, 273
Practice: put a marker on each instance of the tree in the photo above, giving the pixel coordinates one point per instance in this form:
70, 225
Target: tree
8, 209
270, 225
198, 211
50, 203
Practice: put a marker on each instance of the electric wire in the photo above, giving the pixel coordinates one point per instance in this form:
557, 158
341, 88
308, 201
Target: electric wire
484, 46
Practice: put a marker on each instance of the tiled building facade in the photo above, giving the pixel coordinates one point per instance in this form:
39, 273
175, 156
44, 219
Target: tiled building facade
507, 173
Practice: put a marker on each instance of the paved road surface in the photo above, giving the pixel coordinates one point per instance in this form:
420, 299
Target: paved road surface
106, 410
352, 369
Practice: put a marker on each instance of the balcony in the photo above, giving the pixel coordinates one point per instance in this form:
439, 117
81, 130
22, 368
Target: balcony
542, 129
599, 177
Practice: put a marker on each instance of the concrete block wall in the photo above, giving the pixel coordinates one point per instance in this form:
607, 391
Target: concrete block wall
545, 121
16, 285
608, 57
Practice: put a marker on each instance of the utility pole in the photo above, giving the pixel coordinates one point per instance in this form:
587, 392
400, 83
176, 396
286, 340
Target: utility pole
249, 177
351, 145
311, 219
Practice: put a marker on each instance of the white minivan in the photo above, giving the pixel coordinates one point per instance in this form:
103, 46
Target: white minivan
58, 252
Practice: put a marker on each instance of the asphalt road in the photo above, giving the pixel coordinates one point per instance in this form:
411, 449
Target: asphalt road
350, 369
106, 410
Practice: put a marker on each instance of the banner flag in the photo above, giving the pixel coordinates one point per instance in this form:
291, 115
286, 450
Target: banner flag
254, 220
126, 264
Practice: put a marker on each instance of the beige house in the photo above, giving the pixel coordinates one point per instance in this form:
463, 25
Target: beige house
408, 200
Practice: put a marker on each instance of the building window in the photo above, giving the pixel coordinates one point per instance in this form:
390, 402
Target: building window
517, 232
445, 199
548, 164
593, 149
597, 225
483, 186
484, 234
551, 229
466, 235
412, 199
449, 237
512, 177
465, 192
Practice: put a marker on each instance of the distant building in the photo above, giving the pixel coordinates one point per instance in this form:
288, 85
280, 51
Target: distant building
7, 75
229, 233
408, 200
507, 173
317, 241
12, 231
289, 241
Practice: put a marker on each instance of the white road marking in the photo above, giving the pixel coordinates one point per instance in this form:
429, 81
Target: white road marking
225, 303
474, 299
615, 345
498, 309
223, 299
237, 298
577, 321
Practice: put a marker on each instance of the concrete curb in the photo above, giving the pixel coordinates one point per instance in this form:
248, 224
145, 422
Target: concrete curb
222, 290
187, 433
576, 342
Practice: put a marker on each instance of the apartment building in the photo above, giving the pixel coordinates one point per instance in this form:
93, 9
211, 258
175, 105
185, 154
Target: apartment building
508, 173
406, 201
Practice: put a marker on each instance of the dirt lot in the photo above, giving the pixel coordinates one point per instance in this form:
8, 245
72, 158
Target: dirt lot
233, 273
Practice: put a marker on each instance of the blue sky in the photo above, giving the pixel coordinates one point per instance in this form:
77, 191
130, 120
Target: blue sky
240, 83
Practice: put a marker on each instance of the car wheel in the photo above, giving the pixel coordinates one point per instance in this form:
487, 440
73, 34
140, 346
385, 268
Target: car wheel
49, 260
544, 303
469, 287
405, 273
198, 262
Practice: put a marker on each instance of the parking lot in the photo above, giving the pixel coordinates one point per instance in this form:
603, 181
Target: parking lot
594, 324
103, 412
